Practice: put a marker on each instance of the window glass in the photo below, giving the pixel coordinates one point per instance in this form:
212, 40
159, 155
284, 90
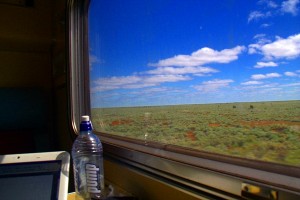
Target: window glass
216, 76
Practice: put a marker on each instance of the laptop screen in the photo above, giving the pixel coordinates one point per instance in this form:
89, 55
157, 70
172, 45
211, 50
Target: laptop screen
34, 180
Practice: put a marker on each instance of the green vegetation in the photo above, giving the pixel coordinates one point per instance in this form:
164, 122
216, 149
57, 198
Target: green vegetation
267, 131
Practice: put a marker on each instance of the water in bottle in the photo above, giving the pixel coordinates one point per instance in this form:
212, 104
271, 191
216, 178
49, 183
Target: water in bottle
88, 163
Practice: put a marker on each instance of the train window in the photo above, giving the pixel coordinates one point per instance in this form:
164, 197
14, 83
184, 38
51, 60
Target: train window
222, 77
213, 82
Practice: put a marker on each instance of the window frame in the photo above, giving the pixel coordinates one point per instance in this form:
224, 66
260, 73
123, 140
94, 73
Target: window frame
78, 59
219, 175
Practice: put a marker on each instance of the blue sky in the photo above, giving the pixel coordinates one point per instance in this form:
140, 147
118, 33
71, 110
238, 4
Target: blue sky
168, 52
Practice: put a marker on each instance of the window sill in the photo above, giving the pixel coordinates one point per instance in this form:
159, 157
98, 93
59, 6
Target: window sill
210, 173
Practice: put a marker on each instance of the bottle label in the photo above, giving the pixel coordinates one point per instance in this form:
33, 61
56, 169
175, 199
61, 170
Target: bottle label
92, 178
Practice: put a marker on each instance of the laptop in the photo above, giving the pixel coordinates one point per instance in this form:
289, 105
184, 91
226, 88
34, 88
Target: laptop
40, 176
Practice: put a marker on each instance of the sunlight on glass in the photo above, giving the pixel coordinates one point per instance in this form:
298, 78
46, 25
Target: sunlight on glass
216, 76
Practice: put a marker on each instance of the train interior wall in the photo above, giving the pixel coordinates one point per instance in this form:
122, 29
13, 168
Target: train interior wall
33, 101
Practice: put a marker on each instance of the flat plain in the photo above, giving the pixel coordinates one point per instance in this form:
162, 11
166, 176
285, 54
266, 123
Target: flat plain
268, 131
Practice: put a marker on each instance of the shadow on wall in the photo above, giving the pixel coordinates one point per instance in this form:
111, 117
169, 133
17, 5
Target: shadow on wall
23, 120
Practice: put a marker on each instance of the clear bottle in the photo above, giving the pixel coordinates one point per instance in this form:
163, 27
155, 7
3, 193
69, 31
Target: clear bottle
87, 154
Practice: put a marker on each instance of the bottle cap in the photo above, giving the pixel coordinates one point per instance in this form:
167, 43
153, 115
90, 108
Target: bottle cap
85, 118
85, 124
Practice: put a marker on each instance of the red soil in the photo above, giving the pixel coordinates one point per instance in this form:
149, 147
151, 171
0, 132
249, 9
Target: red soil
214, 125
191, 135
120, 122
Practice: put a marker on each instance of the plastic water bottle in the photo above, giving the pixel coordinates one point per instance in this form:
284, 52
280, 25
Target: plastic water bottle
87, 156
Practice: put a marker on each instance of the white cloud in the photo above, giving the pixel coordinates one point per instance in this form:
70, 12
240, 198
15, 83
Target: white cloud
202, 56
290, 6
265, 76
93, 60
271, 8
272, 4
282, 48
158, 79
254, 48
269, 3
134, 82
259, 36
292, 84
264, 12
260, 86
117, 81
265, 25
265, 64
260, 41
112, 83
252, 83
291, 74
213, 85
171, 70
156, 90
255, 15
183, 70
